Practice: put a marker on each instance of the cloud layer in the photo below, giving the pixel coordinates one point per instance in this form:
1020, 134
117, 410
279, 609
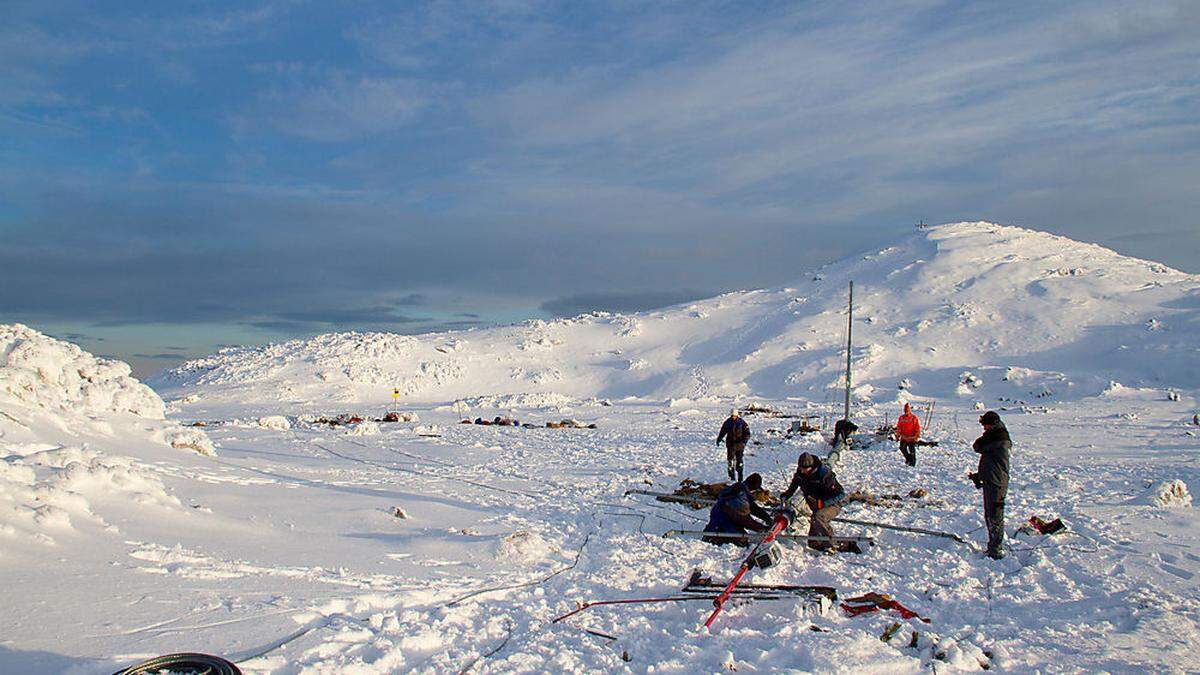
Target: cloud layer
296, 167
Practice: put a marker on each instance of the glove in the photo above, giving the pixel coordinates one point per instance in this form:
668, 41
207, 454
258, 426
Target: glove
787, 511
976, 480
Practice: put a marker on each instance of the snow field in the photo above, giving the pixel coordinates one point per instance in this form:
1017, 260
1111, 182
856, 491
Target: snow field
284, 551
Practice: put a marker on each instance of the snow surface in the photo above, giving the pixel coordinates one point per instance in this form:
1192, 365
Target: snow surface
285, 551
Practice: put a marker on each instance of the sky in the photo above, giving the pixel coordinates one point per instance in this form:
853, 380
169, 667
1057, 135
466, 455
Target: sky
179, 176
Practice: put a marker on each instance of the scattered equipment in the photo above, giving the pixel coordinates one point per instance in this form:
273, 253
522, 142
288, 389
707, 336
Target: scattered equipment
783, 518
769, 557
1040, 526
873, 602
701, 502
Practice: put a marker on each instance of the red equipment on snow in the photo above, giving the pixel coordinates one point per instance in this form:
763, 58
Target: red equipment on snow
760, 554
873, 602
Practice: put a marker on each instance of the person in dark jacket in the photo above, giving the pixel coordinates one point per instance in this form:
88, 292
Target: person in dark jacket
992, 477
824, 496
841, 432
736, 511
735, 432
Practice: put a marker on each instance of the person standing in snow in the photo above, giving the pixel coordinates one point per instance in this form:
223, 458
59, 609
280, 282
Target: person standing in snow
735, 432
908, 430
824, 496
736, 511
992, 477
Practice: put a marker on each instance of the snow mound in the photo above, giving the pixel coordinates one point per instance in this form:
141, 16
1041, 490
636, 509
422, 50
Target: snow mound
38, 370
53, 390
45, 492
275, 422
367, 428
525, 548
189, 438
1170, 494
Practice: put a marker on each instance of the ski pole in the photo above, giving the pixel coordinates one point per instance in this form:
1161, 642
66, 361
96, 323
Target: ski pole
900, 528
629, 601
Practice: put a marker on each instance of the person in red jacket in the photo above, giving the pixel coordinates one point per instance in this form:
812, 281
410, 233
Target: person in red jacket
908, 430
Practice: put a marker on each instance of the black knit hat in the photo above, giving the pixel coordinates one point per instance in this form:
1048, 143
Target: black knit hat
989, 417
808, 459
754, 481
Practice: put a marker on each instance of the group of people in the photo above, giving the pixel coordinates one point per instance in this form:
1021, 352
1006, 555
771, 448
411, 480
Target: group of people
736, 510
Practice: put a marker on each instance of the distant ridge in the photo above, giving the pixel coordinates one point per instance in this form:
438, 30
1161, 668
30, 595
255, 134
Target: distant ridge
964, 310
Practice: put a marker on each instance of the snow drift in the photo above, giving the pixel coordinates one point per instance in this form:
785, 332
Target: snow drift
40, 371
53, 392
64, 417
966, 310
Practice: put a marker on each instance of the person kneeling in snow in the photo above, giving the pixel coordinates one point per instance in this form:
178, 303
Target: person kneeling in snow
736, 511
824, 496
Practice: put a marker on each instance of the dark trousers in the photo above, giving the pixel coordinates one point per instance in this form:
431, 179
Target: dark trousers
820, 524
909, 450
993, 515
733, 457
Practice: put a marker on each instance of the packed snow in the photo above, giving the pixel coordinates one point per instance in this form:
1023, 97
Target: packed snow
320, 538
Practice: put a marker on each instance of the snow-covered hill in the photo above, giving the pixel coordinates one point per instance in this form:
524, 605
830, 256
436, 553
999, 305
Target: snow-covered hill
68, 424
968, 311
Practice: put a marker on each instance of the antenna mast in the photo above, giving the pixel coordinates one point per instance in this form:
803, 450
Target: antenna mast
849, 342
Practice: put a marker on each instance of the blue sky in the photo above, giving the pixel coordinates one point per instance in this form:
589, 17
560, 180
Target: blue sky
175, 176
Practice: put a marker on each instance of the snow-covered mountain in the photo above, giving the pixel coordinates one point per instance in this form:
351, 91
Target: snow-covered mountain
964, 310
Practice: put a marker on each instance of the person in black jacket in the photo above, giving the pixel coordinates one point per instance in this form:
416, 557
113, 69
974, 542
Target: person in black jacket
736, 511
992, 477
735, 432
824, 496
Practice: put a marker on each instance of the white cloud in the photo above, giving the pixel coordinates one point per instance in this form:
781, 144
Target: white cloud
890, 103
327, 106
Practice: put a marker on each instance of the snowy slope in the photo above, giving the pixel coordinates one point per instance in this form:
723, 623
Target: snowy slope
942, 312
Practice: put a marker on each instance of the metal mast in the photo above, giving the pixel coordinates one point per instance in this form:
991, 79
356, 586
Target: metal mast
849, 342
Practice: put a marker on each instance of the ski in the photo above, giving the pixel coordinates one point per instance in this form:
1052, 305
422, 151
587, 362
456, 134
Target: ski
711, 595
695, 501
699, 583
733, 536
901, 528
